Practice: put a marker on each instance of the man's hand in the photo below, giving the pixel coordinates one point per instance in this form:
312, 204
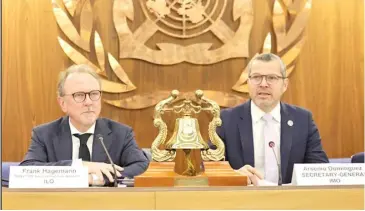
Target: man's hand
102, 168
253, 175
95, 180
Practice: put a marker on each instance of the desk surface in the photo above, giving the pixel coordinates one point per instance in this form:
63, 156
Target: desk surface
286, 197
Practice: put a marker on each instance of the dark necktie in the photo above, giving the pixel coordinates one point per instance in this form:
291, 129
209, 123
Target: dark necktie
84, 152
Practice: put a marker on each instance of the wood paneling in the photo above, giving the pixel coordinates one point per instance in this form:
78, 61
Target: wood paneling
328, 79
241, 198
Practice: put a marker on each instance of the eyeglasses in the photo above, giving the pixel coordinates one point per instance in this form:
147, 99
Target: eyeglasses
270, 79
80, 97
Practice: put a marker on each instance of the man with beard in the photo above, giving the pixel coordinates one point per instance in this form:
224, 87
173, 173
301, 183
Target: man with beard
264, 131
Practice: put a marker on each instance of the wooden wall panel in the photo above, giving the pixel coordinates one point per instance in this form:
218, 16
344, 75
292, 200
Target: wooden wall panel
32, 59
328, 79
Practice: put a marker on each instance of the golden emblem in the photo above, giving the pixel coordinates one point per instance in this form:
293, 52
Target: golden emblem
186, 133
182, 20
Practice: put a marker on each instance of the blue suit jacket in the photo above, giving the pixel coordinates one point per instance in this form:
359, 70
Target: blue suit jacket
299, 143
52, 145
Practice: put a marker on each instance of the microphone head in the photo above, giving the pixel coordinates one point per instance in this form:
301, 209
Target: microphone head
271, 144
99, 136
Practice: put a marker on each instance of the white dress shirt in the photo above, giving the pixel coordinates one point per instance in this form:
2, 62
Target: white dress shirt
76, 141
258, 136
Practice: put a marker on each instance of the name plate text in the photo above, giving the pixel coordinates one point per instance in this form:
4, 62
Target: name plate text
329, 174
48, 177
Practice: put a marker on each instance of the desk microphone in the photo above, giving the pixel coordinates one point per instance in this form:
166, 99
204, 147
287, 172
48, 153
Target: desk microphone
100, 137
272, 146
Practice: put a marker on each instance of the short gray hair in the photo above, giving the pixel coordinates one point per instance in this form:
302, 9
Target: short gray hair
79, 68
267, 57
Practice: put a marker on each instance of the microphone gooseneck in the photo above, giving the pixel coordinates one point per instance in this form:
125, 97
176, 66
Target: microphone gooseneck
110, 159
272, 146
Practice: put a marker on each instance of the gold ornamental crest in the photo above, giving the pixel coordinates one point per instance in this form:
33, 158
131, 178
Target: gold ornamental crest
181, 20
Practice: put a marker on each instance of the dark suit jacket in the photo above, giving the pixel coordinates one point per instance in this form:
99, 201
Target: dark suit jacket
358, 158
52, 145
299, 143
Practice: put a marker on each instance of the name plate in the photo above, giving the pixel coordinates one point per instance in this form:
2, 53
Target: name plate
329, 174
48, 177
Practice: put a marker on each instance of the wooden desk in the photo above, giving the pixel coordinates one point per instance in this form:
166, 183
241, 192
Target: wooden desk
287, 197
83, 199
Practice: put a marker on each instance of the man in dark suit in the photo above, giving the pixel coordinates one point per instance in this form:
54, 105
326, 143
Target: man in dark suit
263, 131
76, 138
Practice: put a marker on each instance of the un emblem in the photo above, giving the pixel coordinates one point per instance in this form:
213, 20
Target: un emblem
182, 20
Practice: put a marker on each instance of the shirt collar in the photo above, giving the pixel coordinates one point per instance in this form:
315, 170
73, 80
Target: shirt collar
76, 131
257, 113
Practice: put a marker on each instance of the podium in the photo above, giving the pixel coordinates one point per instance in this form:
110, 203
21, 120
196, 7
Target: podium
161, 174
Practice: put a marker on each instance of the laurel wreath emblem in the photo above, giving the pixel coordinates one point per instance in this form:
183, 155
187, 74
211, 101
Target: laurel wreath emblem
289, 20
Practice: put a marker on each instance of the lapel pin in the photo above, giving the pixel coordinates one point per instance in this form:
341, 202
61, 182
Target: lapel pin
290, 123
